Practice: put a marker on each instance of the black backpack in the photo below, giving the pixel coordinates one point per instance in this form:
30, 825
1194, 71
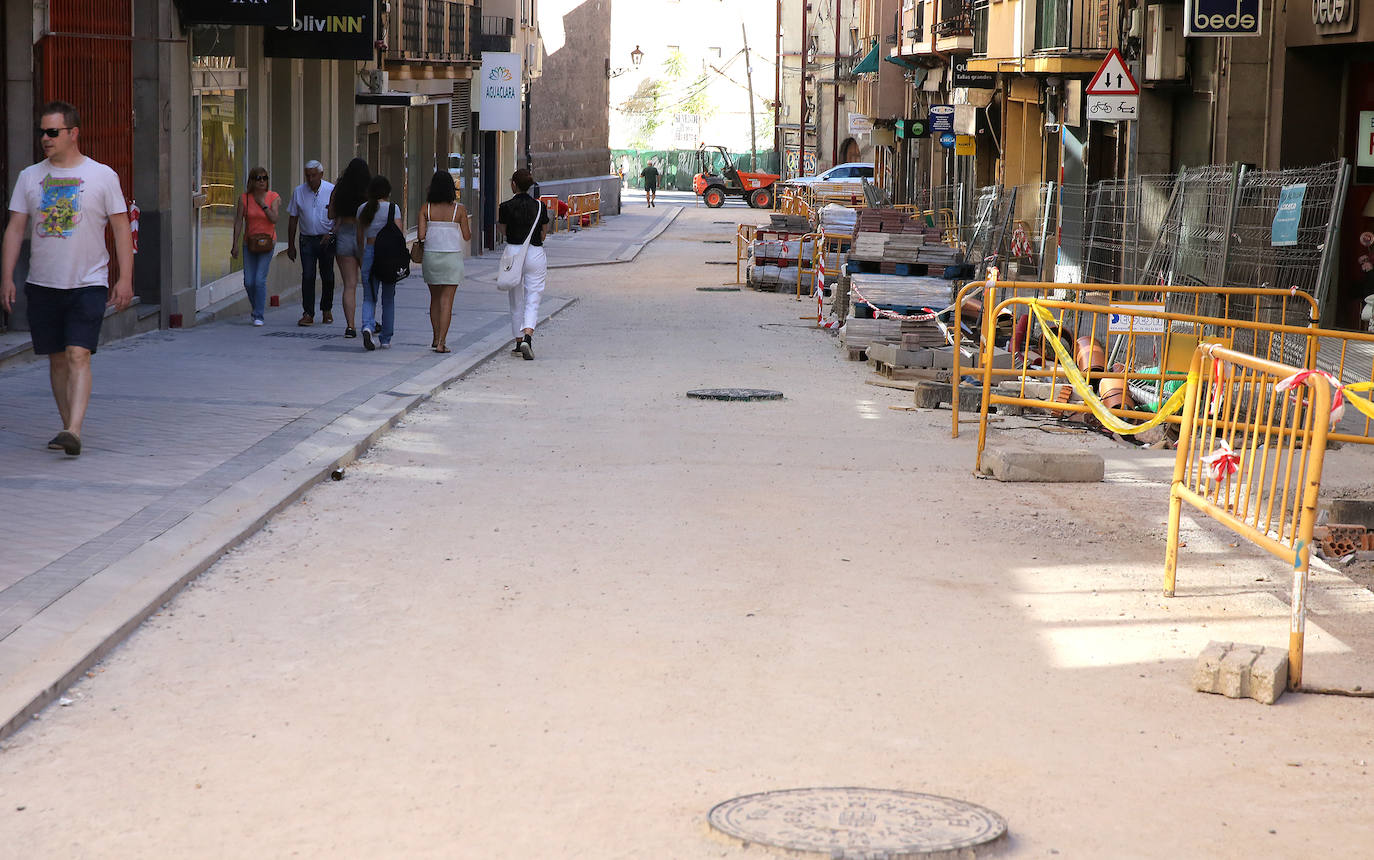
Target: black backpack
390, 257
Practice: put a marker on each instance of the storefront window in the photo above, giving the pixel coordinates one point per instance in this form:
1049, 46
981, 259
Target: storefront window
221, 169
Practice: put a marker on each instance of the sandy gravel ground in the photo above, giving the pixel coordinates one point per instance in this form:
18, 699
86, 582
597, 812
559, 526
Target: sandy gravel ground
563, 611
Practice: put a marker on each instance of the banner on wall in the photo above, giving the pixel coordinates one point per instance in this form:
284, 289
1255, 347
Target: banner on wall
325, 30
500, 85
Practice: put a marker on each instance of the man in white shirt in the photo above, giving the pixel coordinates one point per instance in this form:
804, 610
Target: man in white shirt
62, 205
309, 209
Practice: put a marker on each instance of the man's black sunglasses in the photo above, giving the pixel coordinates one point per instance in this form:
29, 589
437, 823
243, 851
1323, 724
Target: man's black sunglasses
54, 132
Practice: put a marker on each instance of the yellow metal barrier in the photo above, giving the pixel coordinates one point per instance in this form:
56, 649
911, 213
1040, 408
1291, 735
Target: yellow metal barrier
1233, 302
1250, 456
1357, 427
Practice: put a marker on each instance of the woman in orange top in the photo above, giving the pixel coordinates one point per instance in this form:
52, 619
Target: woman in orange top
255, 216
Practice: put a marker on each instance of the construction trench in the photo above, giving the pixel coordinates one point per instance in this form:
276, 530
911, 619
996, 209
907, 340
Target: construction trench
923, 300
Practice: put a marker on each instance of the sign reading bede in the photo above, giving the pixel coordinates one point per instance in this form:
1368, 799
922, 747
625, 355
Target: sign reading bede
1221, 18
500, 85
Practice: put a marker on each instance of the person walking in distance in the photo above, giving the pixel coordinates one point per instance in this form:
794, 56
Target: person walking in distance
350, 193
255, 221
62, 205
445, 233
650, 176
309, 208
518, 216
372, 217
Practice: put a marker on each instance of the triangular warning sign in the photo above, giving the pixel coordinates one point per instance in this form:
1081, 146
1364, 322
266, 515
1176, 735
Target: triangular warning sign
1113, 78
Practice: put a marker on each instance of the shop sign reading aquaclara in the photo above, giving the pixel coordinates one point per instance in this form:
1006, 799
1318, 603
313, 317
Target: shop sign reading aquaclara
325, 30
261, 13
501, 79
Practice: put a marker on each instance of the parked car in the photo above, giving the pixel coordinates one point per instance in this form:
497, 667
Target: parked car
853, 172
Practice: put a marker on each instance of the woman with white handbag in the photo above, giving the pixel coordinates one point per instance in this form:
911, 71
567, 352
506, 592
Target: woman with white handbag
523, 267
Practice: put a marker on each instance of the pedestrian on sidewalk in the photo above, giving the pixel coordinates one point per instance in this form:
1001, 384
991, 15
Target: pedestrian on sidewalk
650, 176
350, 193
518, 216
445, 233
255, 220
69, 198
309, 208
372, 217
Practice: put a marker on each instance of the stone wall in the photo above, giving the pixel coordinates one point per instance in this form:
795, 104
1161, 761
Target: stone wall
569, 104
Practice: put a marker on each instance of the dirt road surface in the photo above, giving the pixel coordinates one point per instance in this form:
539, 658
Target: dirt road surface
563, 610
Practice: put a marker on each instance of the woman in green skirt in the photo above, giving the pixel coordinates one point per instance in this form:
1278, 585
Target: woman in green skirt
445, 231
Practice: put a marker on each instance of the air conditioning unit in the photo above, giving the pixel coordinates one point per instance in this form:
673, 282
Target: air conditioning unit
1166, 57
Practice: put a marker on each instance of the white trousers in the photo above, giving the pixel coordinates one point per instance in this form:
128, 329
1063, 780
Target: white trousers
524, 299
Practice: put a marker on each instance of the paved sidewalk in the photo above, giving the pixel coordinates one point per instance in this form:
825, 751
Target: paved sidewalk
195, 437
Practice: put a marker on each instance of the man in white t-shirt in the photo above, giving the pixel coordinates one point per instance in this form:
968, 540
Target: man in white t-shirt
68, 199
309, 210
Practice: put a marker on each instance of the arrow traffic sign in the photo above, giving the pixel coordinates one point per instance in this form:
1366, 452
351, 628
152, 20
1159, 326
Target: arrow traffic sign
1113, 78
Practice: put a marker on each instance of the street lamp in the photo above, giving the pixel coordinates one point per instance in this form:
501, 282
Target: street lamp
636, 57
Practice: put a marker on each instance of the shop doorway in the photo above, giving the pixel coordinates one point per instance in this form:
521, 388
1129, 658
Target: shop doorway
1355, 273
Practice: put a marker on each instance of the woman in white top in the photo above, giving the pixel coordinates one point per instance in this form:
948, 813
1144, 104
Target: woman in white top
444, 230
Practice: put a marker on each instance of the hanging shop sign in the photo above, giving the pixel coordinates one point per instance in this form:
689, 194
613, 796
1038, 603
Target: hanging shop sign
942, 118
908, 129
860, 124
325, 30
1364, 140
962, 77
500, 84
1222, 17
1284, 232
260, 13
947, 139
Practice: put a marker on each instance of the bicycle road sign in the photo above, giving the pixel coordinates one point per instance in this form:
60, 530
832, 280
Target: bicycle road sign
1113, 78
1113, 93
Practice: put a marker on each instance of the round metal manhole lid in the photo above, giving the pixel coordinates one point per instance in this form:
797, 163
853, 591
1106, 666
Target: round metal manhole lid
858, 822
734, 394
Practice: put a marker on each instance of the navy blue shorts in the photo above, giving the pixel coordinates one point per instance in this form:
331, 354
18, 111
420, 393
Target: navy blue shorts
62, 318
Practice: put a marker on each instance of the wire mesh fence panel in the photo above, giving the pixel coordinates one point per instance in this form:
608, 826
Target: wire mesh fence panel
983, 235
1111, 229
1030, 222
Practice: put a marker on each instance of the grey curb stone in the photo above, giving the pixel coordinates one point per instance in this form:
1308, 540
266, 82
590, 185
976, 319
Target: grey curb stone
1024, 464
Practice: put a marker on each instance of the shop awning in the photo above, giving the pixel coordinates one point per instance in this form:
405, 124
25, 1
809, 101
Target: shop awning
900, 61
1037, 65
395, 99
869, 64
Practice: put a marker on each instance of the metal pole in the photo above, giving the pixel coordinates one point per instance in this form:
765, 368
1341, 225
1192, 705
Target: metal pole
801, 121
749, 79
778, 148
835, 96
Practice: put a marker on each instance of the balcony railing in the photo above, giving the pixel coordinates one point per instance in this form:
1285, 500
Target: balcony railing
1073, 25
956, 18
431, 31
498, 34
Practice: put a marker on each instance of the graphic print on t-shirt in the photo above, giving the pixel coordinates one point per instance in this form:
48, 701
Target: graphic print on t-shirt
59, 210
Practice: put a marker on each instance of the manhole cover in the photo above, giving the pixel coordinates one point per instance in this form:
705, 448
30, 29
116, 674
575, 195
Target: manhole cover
854, 823
735, 394
717, 289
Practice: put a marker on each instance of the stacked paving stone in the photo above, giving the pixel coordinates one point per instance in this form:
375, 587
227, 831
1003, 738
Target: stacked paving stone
1242, 671
791, 223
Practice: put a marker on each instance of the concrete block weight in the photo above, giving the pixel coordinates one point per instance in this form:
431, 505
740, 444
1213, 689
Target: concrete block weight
1240, 671
1024, 464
